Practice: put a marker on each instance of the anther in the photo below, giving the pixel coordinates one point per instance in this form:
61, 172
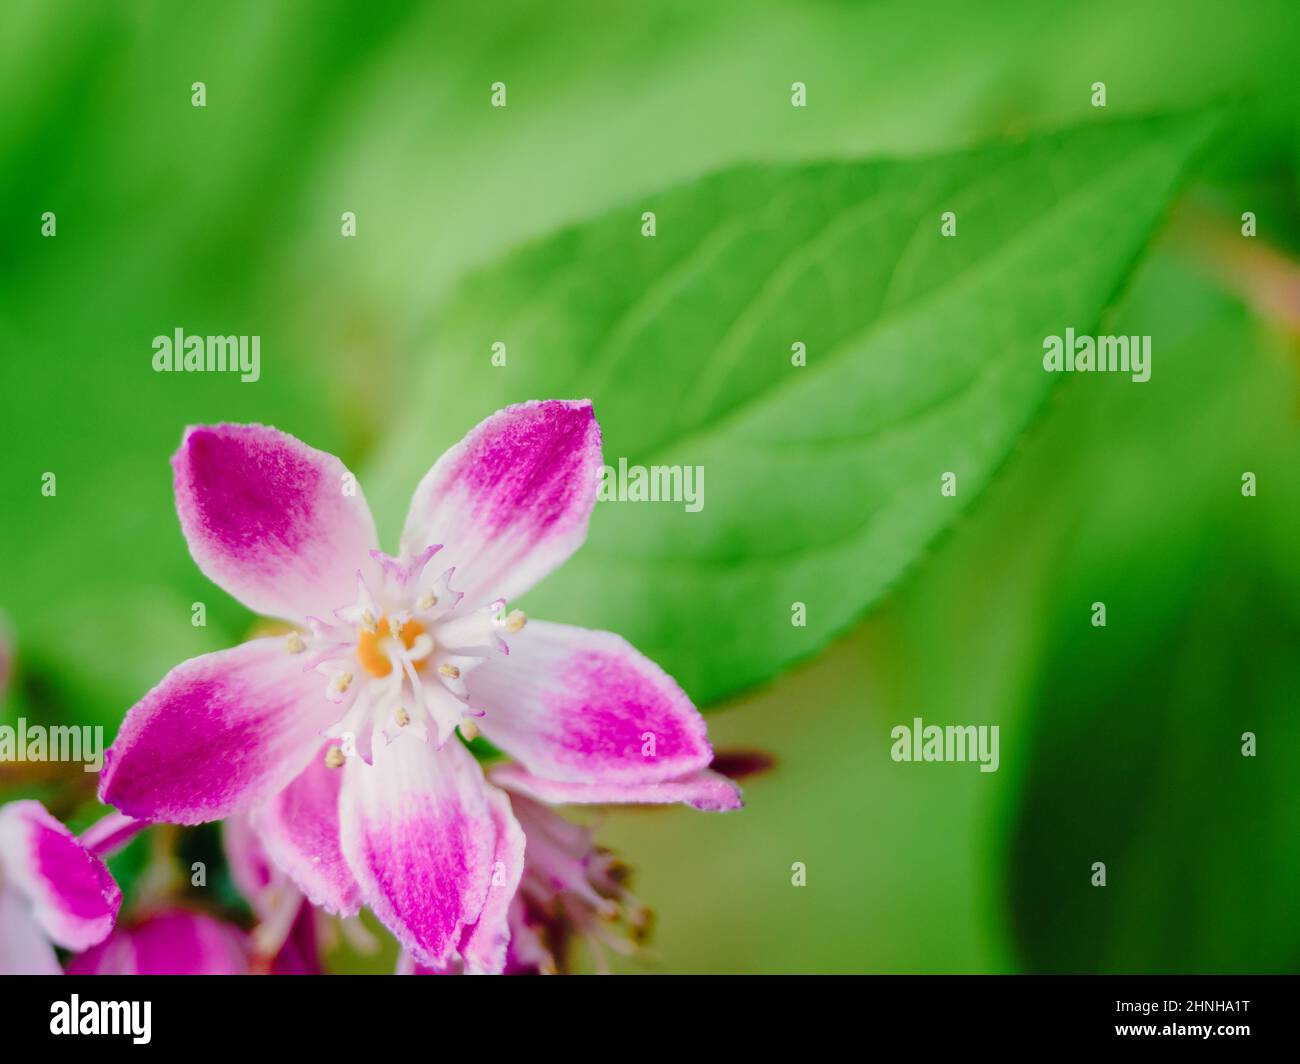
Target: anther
427, 601
515, 621
469, 730
402, 717
449, 671
294, 644
341, 683
334, 757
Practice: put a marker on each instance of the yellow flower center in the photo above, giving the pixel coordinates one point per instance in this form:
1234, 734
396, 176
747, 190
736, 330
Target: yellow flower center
370, 647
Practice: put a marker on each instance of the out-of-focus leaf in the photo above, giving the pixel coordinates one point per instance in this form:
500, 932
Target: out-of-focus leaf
1134, 753
610, 102
1141, 768
821, 483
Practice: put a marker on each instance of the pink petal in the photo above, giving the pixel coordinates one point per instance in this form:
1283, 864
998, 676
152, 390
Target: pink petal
300, 829
111, 833
483, 946
24, 948
271, 896
511, 501
704, 790
250, 867
482, 949
219, 734
176, 942
583, 706
267, 518
300, 954
420, 838
407, 965
185, 943
527, 953
114, 956
72, 896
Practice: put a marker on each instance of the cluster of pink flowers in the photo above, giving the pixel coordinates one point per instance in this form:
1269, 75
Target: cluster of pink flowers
334, 752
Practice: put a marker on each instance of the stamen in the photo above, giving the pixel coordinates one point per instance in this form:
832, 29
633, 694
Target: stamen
449, 671
368, 621
469, 730
515, 621
294, 644
640, 922
334, 757
370, 649
619, 871
427, 601
341, 683
421, 648
402, 717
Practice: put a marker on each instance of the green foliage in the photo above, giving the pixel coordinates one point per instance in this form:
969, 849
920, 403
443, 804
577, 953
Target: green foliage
1135, 744
822, 482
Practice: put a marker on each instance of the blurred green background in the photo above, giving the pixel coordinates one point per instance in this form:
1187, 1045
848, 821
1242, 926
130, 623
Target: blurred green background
1119, 744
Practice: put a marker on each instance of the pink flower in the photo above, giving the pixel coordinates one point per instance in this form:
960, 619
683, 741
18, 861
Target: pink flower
172, 942
339, 739
571, 890
53, 891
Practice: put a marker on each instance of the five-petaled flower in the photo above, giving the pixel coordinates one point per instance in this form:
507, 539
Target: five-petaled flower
339, 739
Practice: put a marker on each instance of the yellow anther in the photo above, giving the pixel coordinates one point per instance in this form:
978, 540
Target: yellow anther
294, 644
449, 671
334, 757
515, 621
403, 718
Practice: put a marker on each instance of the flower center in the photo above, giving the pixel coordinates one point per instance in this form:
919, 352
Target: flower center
371, 650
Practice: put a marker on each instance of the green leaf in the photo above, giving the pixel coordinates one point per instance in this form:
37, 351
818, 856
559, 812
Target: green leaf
822, 483
1135, 758
1197, 839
